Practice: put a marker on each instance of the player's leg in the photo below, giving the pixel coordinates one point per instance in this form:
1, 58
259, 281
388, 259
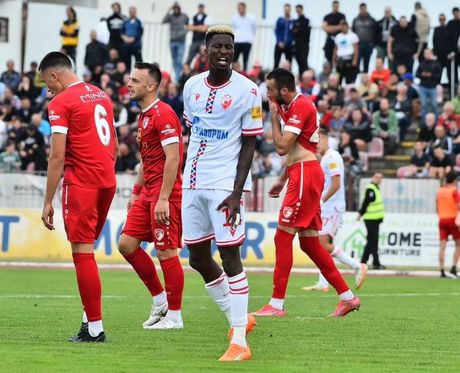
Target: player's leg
456, 237
442, 255
326, 242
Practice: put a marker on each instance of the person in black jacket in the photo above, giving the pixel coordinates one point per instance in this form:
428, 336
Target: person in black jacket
301, 33
454, 34
114, 24
402, 45
384, 27
332, 25
96, 54
429, 72
442, 45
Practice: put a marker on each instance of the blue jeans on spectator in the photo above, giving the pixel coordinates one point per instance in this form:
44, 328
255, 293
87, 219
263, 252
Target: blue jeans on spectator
365, 51
428, 98
177, 55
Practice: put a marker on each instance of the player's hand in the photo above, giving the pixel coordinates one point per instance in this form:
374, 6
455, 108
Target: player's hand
273, 108
47, 216
162, 211
131, 200
276, 189
233, 203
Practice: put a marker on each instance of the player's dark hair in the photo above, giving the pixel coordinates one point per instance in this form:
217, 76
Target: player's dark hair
153, 69
55, 59
323, 131
283, 78
218, 30
299, 6
451, 177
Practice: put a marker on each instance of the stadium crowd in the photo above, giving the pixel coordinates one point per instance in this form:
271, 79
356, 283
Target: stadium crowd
363, 109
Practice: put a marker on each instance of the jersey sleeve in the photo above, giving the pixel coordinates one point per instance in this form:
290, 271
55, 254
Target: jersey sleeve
252, 118
294, 123
334, 166
166, 126
58, 117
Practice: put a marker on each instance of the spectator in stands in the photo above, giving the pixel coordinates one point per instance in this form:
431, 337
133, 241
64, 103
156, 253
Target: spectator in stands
402, 106
332, 26
33, 72
402, 45
126, 160
337, 122
442, 140
42, 126
283, 34
324, 74
111, 65
256, 74
178, 23
355, 101
118, 76
333, 97
27, 89
131, 34
9, 159
186, 74
346, 53
32, 149
364, 26
301, 34
368, 91
441, 164
174, 99
349, 152
125, 136
308, 86
69, 32
385, 126
454, 33
324, 113
448, 114
96, 54
442, 45
25, 111
333, 82
199, 26
244, 28
383, 33
10, 77
420, 161
107, 82
429, 72
380, 75
115, 26
201, 62
359, 128
3, 130
456, 102
120, 114
408, 80
420, 21
453, 131
426, 133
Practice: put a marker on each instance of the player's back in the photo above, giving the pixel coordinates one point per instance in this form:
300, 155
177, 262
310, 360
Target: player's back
447, 199
85, 114
333, 166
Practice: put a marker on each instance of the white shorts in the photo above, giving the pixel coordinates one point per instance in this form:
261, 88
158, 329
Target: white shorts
332, 221
202, 222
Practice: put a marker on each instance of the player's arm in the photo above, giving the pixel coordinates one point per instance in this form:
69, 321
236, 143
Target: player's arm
138, 185
283, 141
278, 186
334, 187
172, 163
55, 170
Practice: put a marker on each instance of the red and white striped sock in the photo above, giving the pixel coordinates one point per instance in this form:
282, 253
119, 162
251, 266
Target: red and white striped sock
220, 292
239, 294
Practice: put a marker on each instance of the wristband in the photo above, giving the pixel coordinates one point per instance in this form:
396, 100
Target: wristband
136, 189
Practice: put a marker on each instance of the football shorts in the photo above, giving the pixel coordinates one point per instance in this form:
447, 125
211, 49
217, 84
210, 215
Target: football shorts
331, 223
447, 227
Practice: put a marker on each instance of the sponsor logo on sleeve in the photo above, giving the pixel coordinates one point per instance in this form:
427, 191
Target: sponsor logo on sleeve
256, 112
168, 130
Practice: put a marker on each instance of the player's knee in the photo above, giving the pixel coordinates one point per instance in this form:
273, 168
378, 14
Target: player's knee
231, 261
124, 246
197, 262
166, 254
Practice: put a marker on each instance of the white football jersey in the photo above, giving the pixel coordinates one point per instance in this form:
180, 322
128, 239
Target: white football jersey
332, 165
218, 117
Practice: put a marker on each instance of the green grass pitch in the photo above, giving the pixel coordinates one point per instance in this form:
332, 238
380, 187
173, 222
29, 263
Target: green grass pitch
405, 324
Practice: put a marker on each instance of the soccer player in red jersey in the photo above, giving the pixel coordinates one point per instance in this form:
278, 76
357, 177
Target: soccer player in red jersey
154, 209
300, 212
83, 147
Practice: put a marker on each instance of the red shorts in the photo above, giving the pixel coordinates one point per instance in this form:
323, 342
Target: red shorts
447, 227
301, 205
85, 211
141, 224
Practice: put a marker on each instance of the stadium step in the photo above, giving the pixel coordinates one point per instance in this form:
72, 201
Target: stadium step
389, 162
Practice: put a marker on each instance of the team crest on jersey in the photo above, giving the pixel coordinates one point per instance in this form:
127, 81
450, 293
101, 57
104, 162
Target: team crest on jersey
159, 234
197, 96
145, 123
226, 101
287, 212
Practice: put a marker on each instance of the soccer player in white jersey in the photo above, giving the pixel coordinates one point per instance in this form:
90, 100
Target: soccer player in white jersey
223, 109
332, 209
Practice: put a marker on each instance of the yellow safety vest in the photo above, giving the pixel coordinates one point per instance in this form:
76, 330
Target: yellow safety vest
375, 210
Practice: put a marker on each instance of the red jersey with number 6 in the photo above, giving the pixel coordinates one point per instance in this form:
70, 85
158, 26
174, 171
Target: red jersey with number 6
84, 113
301, 118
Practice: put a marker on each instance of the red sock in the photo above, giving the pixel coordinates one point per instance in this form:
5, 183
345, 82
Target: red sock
89, 284
174, 282
323, 260
145, 269
283, 263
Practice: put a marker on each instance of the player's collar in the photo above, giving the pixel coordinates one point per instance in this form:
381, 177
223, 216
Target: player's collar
286, 107
75, 83
144, 110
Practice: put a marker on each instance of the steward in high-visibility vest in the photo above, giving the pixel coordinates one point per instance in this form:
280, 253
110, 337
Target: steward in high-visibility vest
375, 209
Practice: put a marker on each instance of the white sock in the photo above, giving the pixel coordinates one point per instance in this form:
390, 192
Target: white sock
159, 299
322, 281
84, 319
220, 292
344, 258
95, 328
347, 295
174, 315
239, 295
277, 303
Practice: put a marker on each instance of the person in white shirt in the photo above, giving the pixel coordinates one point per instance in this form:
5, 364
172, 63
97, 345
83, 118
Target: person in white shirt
244, 26
346, 53
224, 112
332, 209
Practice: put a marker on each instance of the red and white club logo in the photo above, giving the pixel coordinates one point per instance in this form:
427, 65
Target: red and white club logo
287, 212
226, 101
159, 234
146, 122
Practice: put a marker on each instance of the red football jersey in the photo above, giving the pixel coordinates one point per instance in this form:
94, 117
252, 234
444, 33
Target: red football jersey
84, 113
300, 117
158, 126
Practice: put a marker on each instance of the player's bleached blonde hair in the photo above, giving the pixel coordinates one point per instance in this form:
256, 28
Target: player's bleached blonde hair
217, 30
